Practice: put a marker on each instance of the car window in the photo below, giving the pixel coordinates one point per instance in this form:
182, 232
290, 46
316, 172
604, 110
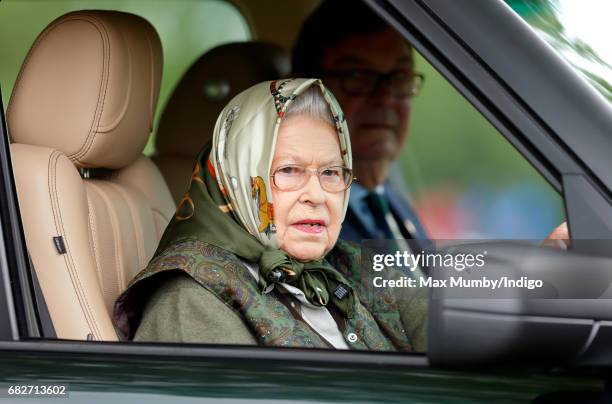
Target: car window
466, 180
578, 31
189, 30
460, 175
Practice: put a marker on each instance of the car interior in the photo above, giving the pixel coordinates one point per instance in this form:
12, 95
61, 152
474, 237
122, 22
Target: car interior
92, 233
221, 73
98, 207
94, 202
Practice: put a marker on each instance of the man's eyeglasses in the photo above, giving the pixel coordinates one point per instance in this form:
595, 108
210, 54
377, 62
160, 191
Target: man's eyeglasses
294, 177
360, 82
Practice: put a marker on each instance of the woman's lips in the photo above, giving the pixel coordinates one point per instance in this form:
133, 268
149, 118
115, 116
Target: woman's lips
309, 226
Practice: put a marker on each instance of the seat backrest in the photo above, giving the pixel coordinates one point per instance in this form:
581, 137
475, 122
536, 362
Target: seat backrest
93, 207
189, 117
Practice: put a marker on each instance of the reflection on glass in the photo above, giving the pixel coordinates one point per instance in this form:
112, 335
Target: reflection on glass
579, 31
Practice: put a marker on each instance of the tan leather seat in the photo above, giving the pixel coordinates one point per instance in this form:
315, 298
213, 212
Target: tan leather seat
189, 117
93, 207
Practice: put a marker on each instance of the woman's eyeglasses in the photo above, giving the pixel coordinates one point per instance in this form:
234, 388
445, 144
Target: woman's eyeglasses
294, 177
362, 82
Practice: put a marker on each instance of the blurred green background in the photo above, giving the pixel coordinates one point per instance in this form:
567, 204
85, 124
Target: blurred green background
464, 178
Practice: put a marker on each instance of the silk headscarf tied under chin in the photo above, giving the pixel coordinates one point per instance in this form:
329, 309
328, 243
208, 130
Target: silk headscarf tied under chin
229, 202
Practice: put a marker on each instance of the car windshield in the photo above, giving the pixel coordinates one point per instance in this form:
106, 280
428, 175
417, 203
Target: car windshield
579, 31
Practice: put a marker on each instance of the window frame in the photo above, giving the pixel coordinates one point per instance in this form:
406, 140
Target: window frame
17, 308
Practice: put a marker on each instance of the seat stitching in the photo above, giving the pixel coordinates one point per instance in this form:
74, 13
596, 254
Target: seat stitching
97, 187
104, 85
114, 221
18, 81
68, 259
94, 238
138, 227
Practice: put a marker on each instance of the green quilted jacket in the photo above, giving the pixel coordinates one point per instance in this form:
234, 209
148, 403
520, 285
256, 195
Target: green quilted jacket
196, 292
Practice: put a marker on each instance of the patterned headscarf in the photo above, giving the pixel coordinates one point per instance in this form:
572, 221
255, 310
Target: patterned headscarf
229, 202
244, 141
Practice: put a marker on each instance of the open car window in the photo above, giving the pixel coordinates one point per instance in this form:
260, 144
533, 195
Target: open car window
467, 181
478, 165
463, 179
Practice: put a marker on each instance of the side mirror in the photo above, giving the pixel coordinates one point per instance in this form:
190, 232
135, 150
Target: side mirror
567, 321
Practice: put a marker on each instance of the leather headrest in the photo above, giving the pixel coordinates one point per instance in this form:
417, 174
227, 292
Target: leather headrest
88, 88
208, 85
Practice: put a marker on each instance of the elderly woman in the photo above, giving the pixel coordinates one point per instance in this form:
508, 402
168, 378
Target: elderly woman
252, 255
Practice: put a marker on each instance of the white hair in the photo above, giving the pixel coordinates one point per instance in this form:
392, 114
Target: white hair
311, 103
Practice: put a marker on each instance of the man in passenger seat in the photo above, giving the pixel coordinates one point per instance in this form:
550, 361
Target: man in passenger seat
370, 68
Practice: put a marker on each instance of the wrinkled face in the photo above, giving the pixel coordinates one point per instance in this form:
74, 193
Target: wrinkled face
308, 219
378, 122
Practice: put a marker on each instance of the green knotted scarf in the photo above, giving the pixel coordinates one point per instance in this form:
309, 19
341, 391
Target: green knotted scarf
229, 203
